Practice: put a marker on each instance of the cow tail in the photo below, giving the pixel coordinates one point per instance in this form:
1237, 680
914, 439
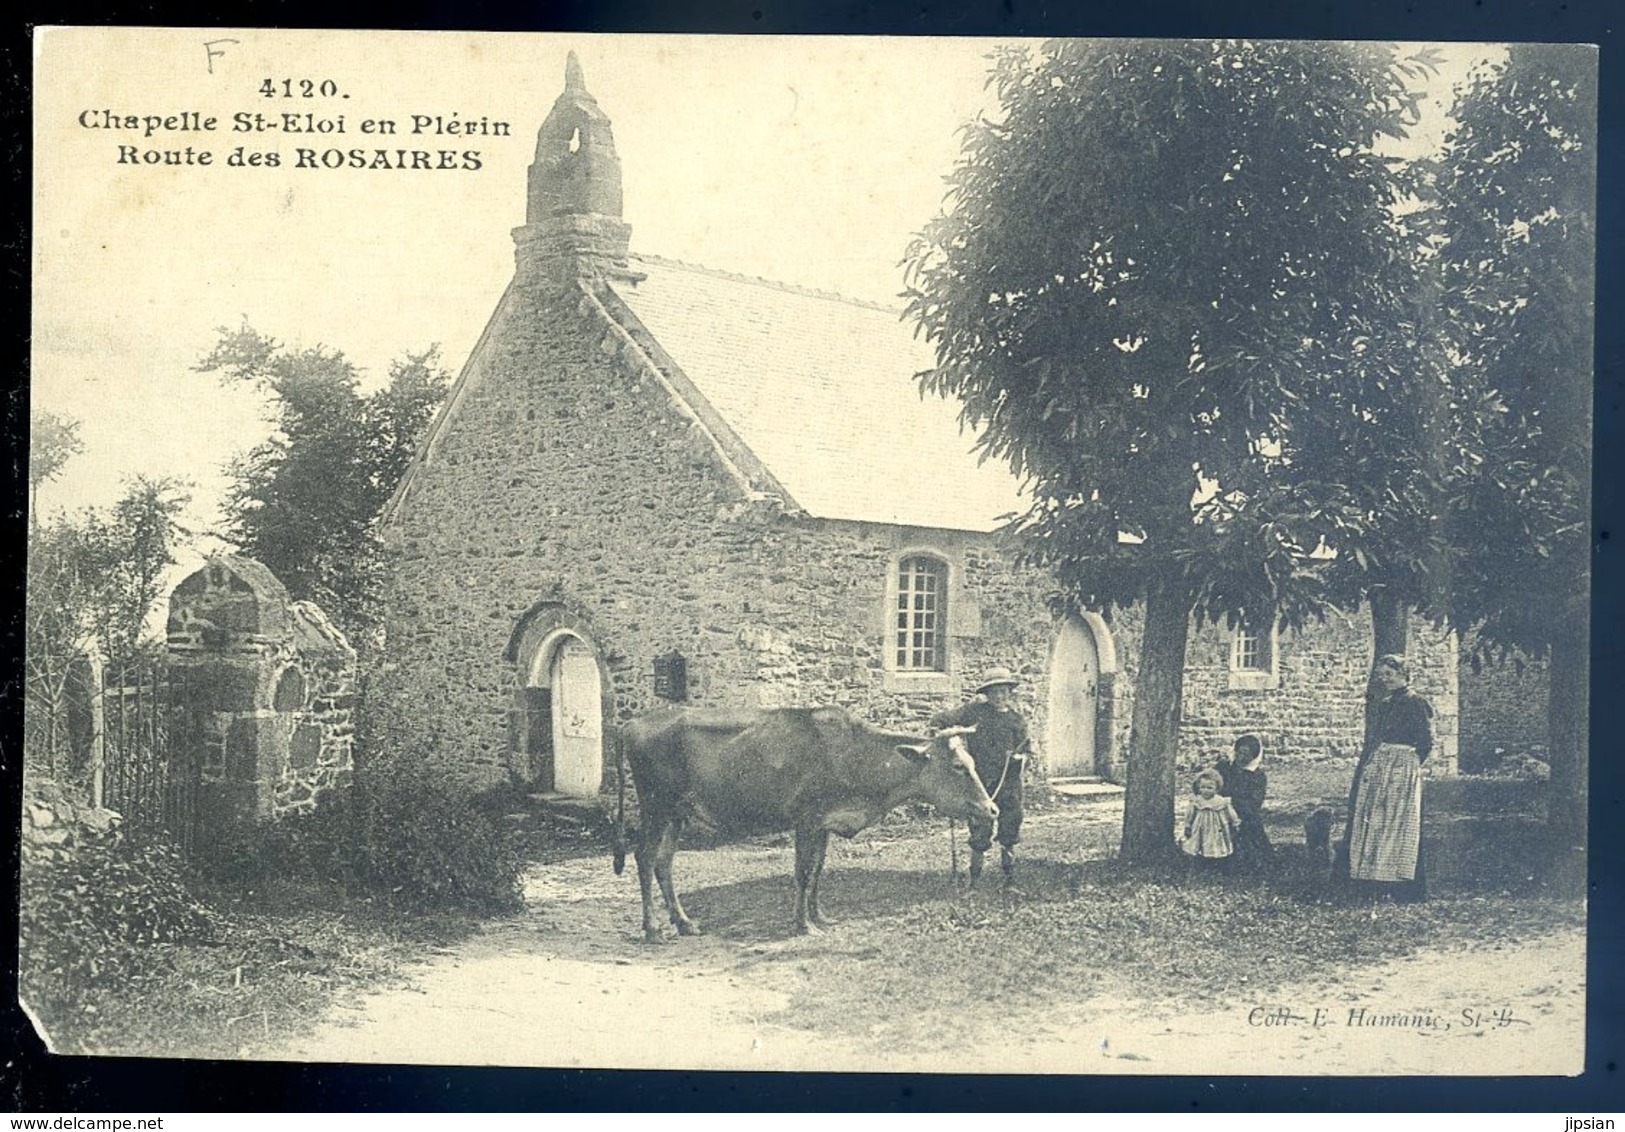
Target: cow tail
620, 807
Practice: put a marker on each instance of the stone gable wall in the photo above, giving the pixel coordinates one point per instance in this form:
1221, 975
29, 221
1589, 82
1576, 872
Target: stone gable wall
568, 475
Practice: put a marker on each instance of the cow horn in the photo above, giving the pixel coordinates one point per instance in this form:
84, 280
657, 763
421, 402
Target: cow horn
915, 752
950, 732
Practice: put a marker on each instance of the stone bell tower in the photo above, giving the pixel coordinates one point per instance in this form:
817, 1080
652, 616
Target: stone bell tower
573, 227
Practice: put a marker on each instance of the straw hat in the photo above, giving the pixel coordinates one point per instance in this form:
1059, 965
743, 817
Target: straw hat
997, 678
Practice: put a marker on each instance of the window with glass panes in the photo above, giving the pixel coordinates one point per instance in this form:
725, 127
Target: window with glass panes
1251, 651
922, 615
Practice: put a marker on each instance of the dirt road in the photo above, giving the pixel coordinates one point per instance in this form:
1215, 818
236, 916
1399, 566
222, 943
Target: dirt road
568, 983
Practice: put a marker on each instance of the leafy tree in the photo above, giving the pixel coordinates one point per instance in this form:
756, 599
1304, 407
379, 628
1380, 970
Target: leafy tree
1161, 288
307, 502
93, 579
1517, 191
1386, 442
142, 534
62, 591
52, 441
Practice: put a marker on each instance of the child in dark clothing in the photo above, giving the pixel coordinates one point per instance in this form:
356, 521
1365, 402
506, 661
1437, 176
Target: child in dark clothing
1246, 784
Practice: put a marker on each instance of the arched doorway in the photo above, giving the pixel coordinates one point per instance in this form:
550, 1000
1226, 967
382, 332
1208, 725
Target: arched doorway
562, 706
1081, 662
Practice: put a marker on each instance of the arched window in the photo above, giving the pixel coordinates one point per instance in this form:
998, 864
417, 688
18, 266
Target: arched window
920, 637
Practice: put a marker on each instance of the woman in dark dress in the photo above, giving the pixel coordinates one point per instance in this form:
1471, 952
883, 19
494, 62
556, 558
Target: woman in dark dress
1246, 785
1385, 819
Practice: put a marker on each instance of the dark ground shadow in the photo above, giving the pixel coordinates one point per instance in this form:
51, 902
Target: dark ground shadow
1497, 850
763, 909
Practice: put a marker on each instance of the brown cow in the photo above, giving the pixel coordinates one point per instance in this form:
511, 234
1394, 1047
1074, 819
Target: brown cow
811, 770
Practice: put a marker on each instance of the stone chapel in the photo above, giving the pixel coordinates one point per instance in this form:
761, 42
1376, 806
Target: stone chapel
655, 482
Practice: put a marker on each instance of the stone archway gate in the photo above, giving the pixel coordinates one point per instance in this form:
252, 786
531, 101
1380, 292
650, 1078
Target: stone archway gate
269, 690
248, 716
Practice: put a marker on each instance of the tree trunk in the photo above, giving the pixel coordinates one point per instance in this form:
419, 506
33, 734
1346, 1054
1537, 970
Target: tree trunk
1390, 634
1148, 797
1390, 628
1567, 706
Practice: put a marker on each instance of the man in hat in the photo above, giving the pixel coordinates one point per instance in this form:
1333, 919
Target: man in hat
999, 747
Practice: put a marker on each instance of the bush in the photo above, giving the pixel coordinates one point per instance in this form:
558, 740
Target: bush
397, 831
314, 846
92, 912
424, 844
1530, 765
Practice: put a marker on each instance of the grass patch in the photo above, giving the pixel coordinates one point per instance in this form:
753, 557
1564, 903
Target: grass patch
1161, 934
276, 961
908, 962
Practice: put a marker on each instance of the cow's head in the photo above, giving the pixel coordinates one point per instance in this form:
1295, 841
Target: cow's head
947, 777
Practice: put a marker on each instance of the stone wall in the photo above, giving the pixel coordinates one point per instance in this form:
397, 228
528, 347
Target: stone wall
268, 687
566, 475
1313, 708
315, 693
55, 817
1318, 708
1503, 709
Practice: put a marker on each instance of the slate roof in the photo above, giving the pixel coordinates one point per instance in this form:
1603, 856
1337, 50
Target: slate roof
821, 389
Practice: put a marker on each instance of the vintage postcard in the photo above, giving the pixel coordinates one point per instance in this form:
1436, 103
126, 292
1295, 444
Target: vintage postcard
820, 554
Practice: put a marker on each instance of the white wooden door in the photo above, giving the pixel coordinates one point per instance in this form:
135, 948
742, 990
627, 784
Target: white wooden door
578, 721
1074, 679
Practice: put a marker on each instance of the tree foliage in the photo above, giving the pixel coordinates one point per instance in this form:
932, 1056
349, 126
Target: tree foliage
94, 578
307, 501
1152, 266
1171, 290
53, 440
1517, 190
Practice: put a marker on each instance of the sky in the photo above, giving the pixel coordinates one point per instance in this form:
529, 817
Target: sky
806, 160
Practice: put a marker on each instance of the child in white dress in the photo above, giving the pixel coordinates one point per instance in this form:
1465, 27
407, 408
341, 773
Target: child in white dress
1210, 820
